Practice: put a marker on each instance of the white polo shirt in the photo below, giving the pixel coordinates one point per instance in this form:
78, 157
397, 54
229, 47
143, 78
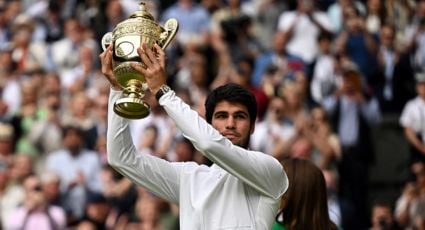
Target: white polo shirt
241, 190
413, 116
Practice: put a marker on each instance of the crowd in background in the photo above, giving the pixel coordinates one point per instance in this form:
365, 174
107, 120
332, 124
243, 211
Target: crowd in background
324, 74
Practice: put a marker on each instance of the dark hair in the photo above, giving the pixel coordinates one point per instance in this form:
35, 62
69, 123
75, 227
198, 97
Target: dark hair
67, 129
232, 93
305, 203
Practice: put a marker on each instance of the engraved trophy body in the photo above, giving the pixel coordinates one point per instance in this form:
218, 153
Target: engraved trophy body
126, 37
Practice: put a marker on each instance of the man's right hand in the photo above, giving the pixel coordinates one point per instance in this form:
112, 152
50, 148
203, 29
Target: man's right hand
107, 69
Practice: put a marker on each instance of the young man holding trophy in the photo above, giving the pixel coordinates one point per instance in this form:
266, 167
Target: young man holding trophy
242, 189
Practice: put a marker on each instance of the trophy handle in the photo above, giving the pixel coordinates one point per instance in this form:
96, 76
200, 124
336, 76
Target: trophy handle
107, 40
169, 32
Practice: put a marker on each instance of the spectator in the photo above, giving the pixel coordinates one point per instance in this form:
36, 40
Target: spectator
410, 205
194, 21
97, 210
382, 217
272, 67
36, 212
274, 127
304, 206
352, 114
79, 114
412, 120
337, 12
266, 21
325, 72
358, 44
7, 143
393, 86
334, 202
79, 170
301, 28
415, 36
375, 15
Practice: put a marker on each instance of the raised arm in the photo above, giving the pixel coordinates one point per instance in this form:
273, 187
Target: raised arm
259, 170
157, 175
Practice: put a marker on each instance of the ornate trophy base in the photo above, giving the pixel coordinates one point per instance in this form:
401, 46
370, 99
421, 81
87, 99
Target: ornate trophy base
131, 108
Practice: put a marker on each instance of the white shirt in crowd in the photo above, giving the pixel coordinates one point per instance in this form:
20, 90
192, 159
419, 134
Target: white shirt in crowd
413, 116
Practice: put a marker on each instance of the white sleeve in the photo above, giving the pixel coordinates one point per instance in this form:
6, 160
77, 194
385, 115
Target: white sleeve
155, 174
410, 117
260, 171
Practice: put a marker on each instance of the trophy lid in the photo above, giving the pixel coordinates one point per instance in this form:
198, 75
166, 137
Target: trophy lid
142, 12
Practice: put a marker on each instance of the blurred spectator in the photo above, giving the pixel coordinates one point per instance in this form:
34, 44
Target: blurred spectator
376, 15
266, 21
50, 21
194, 21
45, 133
147, 212
235, 28
148, 144
327, 147
352, 114
79, 170
166, 129
22, 166
183, 151
97, 210
399, 13
304, 205
120, 192
382, 217
4, 29
63, 54
27, 54
241, 75
415, 36
231, 10
193, 76
272, 67
110, 13
412, 120
301, 28
28, 115
36, 212
7, 135
337, 12
410, 206
274, 127
325, 76
393, 86
358, 44
82, 76
50, 185
334, 203
79, 114
10, 85
12, 193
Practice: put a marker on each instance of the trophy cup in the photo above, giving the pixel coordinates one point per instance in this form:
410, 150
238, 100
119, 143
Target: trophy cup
126, 37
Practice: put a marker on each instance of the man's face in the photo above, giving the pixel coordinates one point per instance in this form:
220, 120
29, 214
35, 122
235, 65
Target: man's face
232, 120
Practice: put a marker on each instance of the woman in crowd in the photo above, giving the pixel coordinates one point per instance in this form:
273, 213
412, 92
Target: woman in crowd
304, 205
